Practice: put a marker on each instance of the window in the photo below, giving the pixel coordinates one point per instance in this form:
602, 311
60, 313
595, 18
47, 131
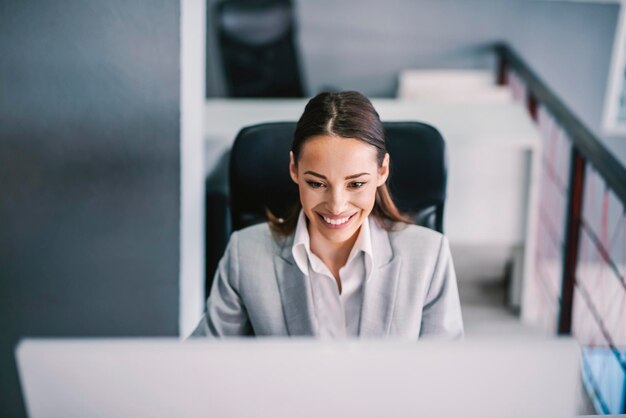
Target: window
614, 122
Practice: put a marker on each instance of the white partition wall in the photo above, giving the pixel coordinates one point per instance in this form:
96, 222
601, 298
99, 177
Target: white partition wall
192, 63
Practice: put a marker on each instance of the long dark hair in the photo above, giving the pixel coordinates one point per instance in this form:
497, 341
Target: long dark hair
347, 114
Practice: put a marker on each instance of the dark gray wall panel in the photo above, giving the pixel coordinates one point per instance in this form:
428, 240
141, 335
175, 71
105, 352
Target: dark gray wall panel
89, 172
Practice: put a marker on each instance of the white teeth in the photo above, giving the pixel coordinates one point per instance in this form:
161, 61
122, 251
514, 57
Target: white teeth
336, 221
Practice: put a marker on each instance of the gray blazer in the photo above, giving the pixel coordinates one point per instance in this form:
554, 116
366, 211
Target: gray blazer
259, 290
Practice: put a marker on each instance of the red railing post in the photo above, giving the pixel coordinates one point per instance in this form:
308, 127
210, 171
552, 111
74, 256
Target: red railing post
572, 236
502, 71
532, 105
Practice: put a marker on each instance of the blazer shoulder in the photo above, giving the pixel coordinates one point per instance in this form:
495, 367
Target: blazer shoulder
257, 238
412, 237
416, 232
254, 231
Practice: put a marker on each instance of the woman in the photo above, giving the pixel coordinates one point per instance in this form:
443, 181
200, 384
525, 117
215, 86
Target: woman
346, 263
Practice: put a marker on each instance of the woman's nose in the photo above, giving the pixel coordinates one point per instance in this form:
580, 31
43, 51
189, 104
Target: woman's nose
337, 201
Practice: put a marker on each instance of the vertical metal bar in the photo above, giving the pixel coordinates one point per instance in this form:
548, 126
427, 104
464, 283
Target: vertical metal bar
531, 105
502, 71
570, 255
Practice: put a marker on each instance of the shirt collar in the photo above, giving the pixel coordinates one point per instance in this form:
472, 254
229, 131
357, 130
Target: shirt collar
301, 245
301, 248
363, 241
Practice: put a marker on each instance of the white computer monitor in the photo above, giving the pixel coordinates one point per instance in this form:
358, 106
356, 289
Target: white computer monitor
279, 378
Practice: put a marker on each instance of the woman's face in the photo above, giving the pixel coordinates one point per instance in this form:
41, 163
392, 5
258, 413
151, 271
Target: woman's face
337, 178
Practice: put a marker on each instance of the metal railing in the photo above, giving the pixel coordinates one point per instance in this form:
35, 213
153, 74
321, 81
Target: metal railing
580, 263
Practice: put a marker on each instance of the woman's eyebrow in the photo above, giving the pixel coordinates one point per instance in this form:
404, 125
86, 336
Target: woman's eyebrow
357, 175
353, 176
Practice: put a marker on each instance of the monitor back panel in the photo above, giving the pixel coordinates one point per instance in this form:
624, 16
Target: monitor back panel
298, 378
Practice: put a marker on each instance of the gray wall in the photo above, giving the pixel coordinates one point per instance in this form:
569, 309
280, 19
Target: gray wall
89, 172
569, 45
363, 45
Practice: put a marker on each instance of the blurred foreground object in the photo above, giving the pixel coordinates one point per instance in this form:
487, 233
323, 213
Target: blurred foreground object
277, 378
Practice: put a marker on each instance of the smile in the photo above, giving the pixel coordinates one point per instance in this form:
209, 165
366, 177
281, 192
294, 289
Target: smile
336, 223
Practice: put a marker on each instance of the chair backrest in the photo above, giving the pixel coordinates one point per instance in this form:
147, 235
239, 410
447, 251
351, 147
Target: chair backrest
256, 40
259, 172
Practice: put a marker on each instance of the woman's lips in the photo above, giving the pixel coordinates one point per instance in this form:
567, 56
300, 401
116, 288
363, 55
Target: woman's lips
336, 226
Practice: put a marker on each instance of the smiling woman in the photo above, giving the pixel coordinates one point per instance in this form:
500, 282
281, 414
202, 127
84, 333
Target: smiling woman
346, 262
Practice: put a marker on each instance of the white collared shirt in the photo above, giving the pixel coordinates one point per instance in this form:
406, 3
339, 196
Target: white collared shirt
338, 315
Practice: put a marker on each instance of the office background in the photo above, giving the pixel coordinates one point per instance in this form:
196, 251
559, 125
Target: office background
90, 134
364, 46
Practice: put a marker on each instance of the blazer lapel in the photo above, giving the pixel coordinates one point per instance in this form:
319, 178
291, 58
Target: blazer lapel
379, 293
295, 293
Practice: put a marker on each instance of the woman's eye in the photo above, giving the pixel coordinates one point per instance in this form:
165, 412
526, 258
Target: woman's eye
357, 184
315, 184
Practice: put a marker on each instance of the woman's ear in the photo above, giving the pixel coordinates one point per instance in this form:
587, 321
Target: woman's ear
383, 171
293, 170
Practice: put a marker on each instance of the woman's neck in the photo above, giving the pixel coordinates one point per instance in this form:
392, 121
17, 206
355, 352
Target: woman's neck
333, 254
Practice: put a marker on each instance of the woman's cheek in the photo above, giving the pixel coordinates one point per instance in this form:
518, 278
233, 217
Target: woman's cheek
367, 198
308, 198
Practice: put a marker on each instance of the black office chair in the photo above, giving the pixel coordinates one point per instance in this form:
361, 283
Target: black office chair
256, 40
259, 172
259, 179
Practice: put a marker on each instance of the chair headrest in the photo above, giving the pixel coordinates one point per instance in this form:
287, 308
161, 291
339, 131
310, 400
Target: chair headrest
259, 168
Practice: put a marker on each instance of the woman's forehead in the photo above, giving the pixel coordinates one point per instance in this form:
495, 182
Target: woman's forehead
335, 150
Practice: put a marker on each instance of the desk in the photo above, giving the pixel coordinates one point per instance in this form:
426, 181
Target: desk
492, 150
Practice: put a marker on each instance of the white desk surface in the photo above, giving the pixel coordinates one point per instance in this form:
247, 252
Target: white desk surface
452, 86
493, 124
458, 122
